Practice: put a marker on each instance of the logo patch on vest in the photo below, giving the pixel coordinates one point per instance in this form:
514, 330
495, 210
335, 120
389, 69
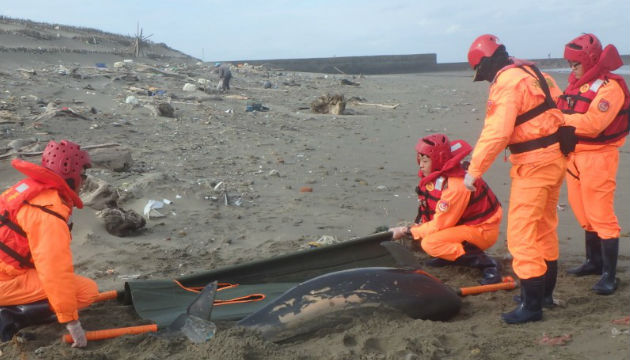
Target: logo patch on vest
21, 188
430, 186
584, 88
603, 105
442, 206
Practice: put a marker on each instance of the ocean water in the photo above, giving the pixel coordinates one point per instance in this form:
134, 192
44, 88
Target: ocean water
623, 70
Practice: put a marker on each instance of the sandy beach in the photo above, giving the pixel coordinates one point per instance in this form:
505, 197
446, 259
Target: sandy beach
235, 177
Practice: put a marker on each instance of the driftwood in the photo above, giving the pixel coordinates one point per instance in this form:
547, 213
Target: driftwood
27, 154
336, 68
379, 105
143, 67
52, 112
237, 97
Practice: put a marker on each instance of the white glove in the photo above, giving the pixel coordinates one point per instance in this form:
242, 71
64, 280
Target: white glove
77, 333
399, 231
469, 182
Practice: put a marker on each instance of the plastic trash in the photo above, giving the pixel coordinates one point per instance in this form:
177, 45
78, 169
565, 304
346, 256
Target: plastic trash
150, 209
100, 65
131, 100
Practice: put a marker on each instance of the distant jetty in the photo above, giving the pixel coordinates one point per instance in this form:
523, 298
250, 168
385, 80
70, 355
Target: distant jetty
382, 64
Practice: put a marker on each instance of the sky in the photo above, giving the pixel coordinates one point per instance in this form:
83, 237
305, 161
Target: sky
280, 29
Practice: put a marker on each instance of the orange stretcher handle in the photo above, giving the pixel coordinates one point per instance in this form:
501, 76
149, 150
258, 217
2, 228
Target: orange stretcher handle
106, 295
112, 333
508, 283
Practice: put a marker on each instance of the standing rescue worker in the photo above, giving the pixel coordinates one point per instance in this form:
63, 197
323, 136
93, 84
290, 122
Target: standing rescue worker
596, 104
37, 279
453, 225
521, 114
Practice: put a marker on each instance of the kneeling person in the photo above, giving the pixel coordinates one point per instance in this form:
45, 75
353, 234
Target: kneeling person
453, 225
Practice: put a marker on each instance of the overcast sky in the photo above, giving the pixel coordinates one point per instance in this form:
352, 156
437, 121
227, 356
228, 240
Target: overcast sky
272, 29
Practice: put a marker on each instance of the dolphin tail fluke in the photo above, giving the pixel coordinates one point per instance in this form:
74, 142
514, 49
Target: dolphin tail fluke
403, 257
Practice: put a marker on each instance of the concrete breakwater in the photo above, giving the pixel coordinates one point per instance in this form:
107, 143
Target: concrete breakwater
383, 64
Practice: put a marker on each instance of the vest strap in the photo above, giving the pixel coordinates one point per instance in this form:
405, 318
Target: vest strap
534, 144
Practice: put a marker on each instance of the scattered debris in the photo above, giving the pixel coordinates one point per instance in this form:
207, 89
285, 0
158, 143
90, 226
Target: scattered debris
189, 87
98, 194
166, 110
622, 321
329, 104
120, 222
150, 209
386, 106
324, 240
555, 340
255, 106
348, 82
52, 111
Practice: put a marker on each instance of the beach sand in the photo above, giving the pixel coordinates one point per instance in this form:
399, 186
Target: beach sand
362, 171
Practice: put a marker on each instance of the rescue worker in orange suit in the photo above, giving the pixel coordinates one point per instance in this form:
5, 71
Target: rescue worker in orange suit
521, 114
453, 225
596, 104
37, 279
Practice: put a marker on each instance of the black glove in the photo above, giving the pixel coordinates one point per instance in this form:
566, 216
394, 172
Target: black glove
567, 138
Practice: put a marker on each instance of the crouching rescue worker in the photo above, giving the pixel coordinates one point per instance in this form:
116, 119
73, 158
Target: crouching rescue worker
453, 225
521, 114
37, 279
595, 103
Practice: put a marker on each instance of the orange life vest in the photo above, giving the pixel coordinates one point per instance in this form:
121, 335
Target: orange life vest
534, 112
482, 204
574, 101
14, 249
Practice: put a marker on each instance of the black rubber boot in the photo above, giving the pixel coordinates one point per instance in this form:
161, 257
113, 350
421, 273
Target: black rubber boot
14, 318
477, 258
438, 262
530, 308
593, 263
550, 284
608, 282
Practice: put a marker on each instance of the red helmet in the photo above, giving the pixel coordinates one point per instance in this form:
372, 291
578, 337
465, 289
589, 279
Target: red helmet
585, 49
483, 46
67, 160
437, 147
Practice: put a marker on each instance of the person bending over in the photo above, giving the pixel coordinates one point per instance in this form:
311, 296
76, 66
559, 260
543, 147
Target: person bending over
37, 279
453, 225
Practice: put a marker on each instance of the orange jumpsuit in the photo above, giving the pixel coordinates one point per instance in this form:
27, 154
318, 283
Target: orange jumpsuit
53, 277
442, 238
536, 175
592, 169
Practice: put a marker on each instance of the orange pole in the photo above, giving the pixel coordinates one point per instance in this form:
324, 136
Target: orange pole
112, 333
508, 283
107, 295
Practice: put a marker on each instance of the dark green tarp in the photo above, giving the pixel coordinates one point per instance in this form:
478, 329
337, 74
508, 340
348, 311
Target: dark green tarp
163, 300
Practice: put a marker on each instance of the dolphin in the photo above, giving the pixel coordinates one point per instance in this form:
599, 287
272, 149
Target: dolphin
320, 301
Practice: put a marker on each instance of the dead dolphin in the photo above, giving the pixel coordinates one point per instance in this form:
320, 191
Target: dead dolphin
313, 303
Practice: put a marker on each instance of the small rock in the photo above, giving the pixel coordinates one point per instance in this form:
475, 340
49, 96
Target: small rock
166, 110
131, 100
189, 87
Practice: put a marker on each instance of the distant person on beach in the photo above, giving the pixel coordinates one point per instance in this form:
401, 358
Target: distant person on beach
596, 103
37, 279
521, 114
224, 76
453, 225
